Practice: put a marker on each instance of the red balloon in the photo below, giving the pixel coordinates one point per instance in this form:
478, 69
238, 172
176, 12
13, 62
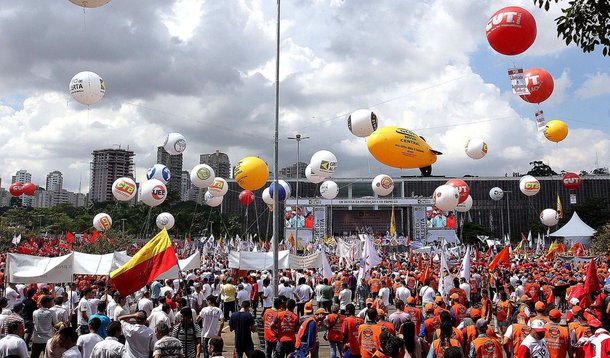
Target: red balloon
16, 189
571, 181
462, 188
246, 197
540, 84
511, 30
29, 189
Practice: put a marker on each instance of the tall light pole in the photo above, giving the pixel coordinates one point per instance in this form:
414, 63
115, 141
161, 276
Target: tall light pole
298, 138
276, 201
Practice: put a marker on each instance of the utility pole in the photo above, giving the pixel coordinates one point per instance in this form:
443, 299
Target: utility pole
298, 138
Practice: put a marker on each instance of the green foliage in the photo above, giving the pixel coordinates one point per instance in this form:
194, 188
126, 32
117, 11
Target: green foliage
594, 212
539, 169
601, 241
586, 23
470, 231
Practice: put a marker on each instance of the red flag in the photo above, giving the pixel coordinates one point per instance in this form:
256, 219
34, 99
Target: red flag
502, 257
477, 256
84, 239
425, 275
411, 262
420, 264
69, 237
94, 236
408, 241
592, 281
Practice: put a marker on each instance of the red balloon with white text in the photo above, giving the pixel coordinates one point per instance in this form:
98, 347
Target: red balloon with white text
571, 181
511, 30
16, 189
462, 188
540, 84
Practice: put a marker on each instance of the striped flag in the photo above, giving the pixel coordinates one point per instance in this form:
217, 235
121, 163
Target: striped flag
156, 257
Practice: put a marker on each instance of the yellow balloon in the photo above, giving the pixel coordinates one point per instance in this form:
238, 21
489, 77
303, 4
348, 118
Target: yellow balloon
400, 148
251, 173
556, 131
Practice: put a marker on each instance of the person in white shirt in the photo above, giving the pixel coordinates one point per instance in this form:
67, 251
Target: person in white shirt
169, 287
158, 316
84, 311
12, 296
44, 321
206, 288
110, 347
286, 290
427, 293
267, 293
145, 304
466, 287
212, 322
139, 338
13, 344
86, 342
402, 292
303, 294
242, 295
345, 296
384, 293
172, 316
68, 338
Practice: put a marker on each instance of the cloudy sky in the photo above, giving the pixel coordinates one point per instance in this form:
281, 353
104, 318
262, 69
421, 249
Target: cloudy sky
206, 69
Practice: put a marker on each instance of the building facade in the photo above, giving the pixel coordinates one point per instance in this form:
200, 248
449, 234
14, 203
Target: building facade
174, 164
291, 171
107, 166
22, 176
55, 181
219, 162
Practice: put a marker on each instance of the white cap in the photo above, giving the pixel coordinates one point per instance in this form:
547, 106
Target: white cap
574, 301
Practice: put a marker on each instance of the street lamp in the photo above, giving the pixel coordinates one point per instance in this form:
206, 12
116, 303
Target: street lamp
298, 139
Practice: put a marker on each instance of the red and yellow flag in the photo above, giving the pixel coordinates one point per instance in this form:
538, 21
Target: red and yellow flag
156, 257
502, 257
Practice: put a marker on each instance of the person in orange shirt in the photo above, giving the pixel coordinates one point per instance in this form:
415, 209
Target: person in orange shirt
368, 335
270, 332
504, 311
350, 330
469, 333
484, 346
286, 325
557, 338
307, 344
334, 335
444, 341
486, 306
440, 306
540, 307
381, 321
515, 334
458, 310
532, 289
456, 334
375, 285
585, 330
416, 315
431, 324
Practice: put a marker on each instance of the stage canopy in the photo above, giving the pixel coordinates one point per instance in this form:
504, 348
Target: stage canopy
575, 231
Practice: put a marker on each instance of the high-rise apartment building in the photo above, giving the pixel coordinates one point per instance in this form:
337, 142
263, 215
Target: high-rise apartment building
22, 176
291, 171
188, 192
219, 162
55, 181
107, 166
174, 164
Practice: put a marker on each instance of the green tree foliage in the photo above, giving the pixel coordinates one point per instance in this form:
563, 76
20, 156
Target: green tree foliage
601, 240
470, 231
539, 169
593, 211
586, 23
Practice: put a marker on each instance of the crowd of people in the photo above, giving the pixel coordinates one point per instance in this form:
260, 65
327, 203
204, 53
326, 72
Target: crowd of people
534, 307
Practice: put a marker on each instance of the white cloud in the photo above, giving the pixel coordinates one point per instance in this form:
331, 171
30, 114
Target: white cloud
594, 85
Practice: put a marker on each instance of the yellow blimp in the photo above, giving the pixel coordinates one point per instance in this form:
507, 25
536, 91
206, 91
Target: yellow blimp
556, 130
401, 148
251, 173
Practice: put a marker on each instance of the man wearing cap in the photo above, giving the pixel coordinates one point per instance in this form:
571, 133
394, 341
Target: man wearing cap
484, 346
308, 312
334, 325
515, 334
416, 314
286, 325
540, 307
458, 310
307, 337
431, 324
369, 305
570, 315
381, 321
583, 334
557, 338
534, 344
368, 335
350, 330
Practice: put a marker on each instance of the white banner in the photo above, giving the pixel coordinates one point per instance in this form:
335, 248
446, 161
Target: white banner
306, 262
88, 264
36, 269
540, 121
517, 81
245, 260
190, 263
360, 202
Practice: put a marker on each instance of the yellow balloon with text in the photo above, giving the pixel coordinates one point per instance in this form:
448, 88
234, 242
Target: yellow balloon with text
556, 131
400, 148
251, 173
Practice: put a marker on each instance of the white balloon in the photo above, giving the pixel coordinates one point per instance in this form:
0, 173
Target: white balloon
465, 205
496, 193
267, 197
219, 187
212, 200
124, 189
529, 185
475, 148
549, 217
159, 172
90, 3
311, 176
362, 122
165, 220
287, 187
87, 87
383, 185
323, 163
153, 192
202, 175
329, 189
174, 143
446, 197
102, 222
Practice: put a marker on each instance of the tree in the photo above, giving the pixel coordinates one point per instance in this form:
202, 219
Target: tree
600, 171
539, 169
601, 240
586, 23
470, 231
593, 211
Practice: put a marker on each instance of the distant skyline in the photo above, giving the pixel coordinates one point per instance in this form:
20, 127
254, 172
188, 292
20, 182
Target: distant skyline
206, 70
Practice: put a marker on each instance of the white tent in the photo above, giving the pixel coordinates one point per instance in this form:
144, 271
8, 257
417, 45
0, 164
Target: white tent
575, 231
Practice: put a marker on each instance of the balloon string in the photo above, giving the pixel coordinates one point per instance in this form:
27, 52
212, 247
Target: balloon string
84, 19
193, 217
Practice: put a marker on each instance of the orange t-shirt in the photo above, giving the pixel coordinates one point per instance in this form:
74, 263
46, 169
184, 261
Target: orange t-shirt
368, 336
503, 311
375, 285
557, 340
487, 348
439, 349
286, 324
350, 333
268, 319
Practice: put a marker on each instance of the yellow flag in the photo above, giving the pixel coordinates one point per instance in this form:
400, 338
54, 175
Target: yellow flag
392, 224
519, 246
559, 207
553, 246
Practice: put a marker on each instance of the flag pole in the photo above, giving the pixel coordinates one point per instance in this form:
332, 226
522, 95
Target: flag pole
276, 202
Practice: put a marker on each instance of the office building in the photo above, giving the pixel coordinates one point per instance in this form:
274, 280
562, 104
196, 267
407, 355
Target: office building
219, 162
188, 192
291, 171
55, 181
107, 166
174, 164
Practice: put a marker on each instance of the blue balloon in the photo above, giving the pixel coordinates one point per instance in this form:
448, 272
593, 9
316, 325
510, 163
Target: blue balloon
281, 191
